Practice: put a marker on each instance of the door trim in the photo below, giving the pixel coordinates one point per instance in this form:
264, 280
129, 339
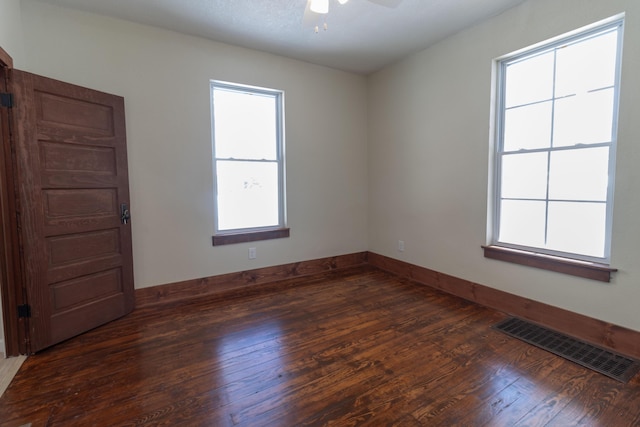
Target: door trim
10, 280
5, 59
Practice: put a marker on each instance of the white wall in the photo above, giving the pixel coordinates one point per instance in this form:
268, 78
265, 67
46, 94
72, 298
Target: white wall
424, 181
429, 128
164, 78
11, 30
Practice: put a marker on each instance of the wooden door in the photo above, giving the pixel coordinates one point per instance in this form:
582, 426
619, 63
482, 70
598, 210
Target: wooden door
71, 164
10, 280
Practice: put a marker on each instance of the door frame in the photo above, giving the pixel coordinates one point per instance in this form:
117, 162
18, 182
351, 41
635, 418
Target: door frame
11, 284
5, 59
25, 264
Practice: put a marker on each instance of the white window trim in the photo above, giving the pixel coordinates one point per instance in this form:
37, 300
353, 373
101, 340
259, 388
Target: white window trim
261, 232
499, 110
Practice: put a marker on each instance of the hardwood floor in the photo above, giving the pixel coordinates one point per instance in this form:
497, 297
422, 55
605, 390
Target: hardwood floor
352, 348
8, 369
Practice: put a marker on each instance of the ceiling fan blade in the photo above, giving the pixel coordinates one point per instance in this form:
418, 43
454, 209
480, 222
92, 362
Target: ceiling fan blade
310, 18
387, 3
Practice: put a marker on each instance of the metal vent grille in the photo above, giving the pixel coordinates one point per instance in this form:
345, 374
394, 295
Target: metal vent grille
606, 362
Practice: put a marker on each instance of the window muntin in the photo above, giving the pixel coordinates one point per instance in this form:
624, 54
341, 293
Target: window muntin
248, 162
555, 149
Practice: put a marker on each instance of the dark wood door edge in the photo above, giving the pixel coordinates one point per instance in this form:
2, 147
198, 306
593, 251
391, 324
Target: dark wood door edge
10, 280
5, 59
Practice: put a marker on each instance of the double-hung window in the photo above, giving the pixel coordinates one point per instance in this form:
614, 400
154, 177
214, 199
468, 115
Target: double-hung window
557, 108
248, 163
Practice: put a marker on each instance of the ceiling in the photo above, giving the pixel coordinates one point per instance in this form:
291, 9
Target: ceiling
362, 36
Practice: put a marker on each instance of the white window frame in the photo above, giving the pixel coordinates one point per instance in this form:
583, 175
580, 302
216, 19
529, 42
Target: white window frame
613, 23
262, 232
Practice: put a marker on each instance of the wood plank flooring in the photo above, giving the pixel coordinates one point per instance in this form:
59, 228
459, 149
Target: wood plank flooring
352, 348
8, 369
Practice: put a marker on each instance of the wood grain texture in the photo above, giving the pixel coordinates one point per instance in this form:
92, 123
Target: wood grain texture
349, 347
598, 332
5, 59
588, 270
8, 369
242, 283
10, 266
250, 236
72, 175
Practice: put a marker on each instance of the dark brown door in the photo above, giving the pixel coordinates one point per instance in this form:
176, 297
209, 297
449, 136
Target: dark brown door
71, 162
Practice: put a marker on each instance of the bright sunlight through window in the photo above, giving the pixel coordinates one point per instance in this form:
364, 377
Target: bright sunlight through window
248, 157
555, 149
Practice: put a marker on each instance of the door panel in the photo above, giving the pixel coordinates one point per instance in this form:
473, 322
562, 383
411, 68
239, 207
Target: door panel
72, 173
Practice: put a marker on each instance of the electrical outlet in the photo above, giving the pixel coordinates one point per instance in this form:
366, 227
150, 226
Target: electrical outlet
252, 253
401, 245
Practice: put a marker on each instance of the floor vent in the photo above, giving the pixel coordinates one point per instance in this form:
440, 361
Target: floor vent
606, 362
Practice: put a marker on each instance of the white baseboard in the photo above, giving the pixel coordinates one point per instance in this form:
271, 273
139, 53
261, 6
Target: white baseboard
3, 350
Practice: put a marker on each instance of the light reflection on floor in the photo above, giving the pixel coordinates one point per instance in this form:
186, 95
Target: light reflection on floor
253, 361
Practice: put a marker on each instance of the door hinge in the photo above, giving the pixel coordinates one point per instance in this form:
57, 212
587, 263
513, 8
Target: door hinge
24, 310
6, 100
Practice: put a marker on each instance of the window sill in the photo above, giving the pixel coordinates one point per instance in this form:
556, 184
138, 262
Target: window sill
249, 236
589, 270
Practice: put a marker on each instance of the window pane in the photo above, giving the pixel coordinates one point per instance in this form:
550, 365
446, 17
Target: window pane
247, 194
577, 228
597, 55
245, 125
529, 80
524, 176
522, 222
558, 120
581, 174
528, 127
584, 119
